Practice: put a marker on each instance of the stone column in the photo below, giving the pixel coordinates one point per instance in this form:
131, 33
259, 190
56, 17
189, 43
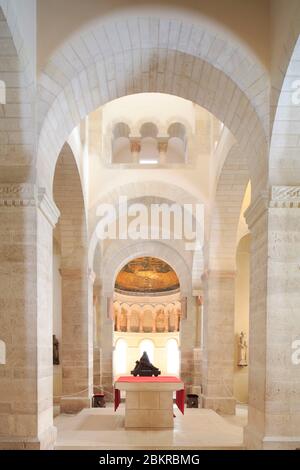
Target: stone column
141, 318
197, 352
274, 375
106, 353
198, 311
162, 148
135, 147
176, 315
119, 313
218, 348
154, 322
166, 313
26, 394
128, 324
187, 342
77, 339
97, 338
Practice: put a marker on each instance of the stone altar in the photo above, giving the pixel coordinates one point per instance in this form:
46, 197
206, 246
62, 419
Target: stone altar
149, 400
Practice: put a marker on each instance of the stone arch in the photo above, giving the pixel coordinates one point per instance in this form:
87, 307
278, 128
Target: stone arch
76, 284
189, 62
115, 259
149, 189
17, 135
11, 15
148, 129
284, 167
226, 211
177, 129
283, 57
69, 198
120, 129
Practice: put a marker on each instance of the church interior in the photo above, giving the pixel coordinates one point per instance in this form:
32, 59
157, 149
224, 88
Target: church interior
149, 221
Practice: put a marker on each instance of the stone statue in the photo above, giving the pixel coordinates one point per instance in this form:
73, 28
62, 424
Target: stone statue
55, 351
144, 367
242, 350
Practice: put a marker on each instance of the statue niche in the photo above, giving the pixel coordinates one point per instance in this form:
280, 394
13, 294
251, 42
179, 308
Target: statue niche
242, 350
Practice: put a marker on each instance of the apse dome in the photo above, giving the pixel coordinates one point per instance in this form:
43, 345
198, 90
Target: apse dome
147, 275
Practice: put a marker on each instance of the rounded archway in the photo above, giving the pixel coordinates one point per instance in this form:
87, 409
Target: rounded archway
147, 293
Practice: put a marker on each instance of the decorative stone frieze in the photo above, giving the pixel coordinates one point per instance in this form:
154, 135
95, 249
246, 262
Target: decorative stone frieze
285, 197
16, 195
29, 195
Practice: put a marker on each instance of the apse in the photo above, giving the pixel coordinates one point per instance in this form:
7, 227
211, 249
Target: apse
147, 315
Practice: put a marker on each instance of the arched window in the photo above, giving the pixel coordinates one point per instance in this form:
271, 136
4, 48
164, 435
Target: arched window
172, 357
120, 357
2, 352
148, 346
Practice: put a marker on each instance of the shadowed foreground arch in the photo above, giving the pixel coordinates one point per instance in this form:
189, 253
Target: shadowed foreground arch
188, 62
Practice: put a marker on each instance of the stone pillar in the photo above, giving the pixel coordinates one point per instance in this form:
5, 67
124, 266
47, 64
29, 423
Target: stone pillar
166, 313
106, 354
97, 335
77, 339
187, 343
198, 311
135, 147
119, 313
218, 348
141, 325
154, 322
128, 322
26, 391
176, 316
162, 149
197, 352
274, 378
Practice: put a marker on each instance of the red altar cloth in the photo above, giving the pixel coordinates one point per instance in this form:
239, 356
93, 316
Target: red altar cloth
180, 394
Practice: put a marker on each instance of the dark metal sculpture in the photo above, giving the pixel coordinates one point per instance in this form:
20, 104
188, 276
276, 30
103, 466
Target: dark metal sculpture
55, 351
144, 368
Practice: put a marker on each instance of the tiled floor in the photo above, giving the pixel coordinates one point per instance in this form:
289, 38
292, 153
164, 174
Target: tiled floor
101, 428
